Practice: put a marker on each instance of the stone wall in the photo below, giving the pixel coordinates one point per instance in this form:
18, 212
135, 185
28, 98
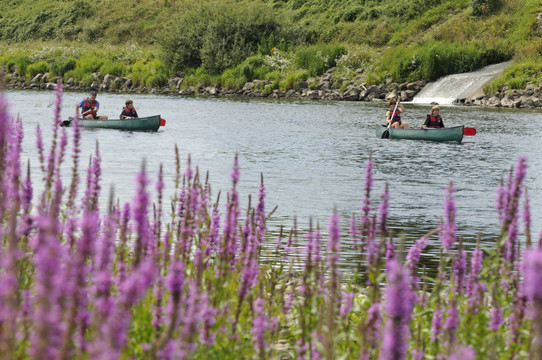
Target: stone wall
327, 87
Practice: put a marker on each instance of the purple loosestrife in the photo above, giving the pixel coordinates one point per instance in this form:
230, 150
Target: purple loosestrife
354, 231
475, 289
527, 218
10, 201
158, 216
116, 327
447, 233
260, 326
366, 207
413, 257
76, 146
333, 250
140, 215
228, 246
260, 212
175, 283
372, 326
334, 244
39, 146
399, 305
208, 315
49, 282
511, 210
532, 289
452, 322
436, 324
80, 270
462, 352
383, 209
460, 269
53, 156
346, 304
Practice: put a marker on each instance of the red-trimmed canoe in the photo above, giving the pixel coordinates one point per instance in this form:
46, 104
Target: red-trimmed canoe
447, 134
149, 123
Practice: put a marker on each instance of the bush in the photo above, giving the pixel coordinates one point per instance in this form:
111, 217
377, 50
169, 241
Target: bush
113, 68
40, 67
221, 34
61, 66
484, 7
149, 73
87, 64
317, 59
16, 62
292, 79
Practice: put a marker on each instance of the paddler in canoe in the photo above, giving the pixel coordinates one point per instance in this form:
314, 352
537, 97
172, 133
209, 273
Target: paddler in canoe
128, 111
393, 115
433, 120
89, 108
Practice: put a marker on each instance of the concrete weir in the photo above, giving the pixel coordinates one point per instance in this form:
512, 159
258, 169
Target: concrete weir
451, 88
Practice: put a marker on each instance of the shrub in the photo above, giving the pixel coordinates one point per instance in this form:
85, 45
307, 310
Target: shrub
113, 68
62, 65
317, 59
221, 34
40, 67
484, 7
292, 79
16, 62
149, 73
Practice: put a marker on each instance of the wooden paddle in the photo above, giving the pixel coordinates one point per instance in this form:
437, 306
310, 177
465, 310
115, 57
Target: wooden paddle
468, 131
386, 133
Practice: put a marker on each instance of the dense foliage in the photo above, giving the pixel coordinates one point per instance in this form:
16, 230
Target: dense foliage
137, 281
206, 41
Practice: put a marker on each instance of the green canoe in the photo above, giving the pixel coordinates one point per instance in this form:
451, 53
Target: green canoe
447, 134
149, 123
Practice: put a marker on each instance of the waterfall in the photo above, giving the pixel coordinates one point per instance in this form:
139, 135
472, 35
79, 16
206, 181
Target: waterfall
448, 89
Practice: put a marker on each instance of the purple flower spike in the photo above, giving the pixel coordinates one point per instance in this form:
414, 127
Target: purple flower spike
333, 245
462, 353
366, 208
532, 289
448, 229
260, 325
399, 305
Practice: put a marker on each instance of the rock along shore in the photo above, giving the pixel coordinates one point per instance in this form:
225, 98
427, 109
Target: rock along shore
327, 87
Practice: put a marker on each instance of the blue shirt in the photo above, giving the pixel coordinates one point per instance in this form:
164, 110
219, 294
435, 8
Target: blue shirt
82, 103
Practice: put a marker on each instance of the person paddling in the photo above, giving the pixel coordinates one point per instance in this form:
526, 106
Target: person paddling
393, 115
128, 111
89, 108
433, 120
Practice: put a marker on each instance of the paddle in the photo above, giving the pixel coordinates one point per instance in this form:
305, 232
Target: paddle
386, 133
468, 131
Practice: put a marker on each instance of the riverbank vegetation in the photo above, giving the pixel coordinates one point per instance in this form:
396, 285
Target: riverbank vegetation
205, 280
228, 43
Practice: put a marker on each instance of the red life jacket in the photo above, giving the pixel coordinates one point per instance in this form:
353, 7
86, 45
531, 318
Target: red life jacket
434, 121
395, 116
87, 105
129, 112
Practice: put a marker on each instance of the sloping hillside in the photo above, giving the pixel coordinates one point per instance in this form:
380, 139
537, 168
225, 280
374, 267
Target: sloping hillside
228, 42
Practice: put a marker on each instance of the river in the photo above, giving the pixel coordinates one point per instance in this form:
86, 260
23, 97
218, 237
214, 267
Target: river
313, 157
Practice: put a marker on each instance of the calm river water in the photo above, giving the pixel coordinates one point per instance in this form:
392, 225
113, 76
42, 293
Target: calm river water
313, 157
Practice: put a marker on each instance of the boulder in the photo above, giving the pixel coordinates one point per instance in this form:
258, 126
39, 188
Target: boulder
36, 79
108, 79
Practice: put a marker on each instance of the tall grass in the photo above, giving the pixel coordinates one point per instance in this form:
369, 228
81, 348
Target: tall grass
142, 281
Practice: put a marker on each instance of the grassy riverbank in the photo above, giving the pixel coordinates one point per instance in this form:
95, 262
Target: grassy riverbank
141, 281
228, 43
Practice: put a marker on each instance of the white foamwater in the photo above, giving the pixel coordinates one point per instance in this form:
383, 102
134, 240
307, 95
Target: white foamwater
448, 89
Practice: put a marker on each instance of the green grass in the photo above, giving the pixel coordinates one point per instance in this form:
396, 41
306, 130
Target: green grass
227, 42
